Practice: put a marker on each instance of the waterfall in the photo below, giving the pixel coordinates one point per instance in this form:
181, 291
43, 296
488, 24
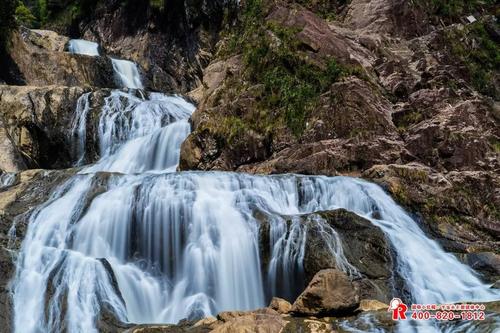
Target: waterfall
127, 74
79, 128
131, 236
185, 245
7, 179
80, 46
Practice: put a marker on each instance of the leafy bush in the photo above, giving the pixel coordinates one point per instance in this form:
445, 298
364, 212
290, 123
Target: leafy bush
24, 15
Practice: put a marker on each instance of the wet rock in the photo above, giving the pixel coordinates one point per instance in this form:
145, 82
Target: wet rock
364, 246
39, 57
487, 263
6, 270
334, 239
329, 293
372, 305
280, 305
458, 208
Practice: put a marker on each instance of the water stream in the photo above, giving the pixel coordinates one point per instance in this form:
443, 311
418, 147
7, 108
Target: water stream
153, 245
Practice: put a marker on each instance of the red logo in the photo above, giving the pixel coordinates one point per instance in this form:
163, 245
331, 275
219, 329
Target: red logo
398, 309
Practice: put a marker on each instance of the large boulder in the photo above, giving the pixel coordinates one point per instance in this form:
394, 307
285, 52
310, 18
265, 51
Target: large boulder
364, 246
40, 60
329, 293
280, 305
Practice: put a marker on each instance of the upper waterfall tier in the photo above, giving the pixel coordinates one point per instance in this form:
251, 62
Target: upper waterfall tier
136, 134
127, 74
81, 46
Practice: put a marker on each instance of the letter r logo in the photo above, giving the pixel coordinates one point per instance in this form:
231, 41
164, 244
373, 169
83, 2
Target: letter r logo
398, 309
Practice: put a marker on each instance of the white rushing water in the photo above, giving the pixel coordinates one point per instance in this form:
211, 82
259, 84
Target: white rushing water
80, 46
7, 179
152, 245
79, 128
127, 74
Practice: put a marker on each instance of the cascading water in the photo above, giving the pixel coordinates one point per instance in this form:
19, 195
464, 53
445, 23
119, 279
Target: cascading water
80, 46
127, 74
7, 179
79, 128
156, 246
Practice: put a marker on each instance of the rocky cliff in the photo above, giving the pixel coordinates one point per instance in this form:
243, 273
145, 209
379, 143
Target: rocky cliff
384, 89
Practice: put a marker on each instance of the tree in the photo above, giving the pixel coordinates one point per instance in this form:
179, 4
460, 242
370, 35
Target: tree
24, 15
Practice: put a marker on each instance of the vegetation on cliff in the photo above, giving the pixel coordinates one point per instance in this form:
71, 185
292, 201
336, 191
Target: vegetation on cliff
290, 83
454, 9
475, 48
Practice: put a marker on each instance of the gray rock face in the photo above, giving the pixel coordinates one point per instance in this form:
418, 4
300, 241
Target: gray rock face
364, 246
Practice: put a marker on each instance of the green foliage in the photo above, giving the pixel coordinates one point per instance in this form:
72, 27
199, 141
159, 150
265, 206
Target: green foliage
327, 9
43, 12
24, 15
157, 4
495, 143
453, 8
233, 127
291, 84
474, 47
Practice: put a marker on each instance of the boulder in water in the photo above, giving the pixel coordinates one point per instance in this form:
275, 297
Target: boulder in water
280, 305
330, 293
